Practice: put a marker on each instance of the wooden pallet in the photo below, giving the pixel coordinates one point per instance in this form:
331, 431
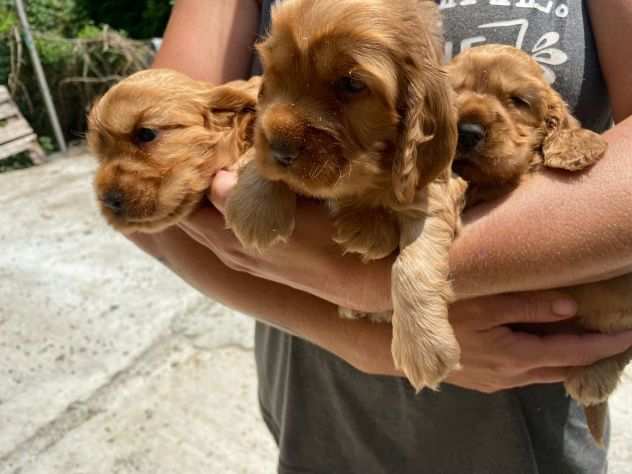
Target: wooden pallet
16, 135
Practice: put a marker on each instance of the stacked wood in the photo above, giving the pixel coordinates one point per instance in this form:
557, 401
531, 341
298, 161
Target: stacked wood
16, 135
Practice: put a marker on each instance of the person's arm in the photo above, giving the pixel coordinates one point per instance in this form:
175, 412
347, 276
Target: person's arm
612, 25
556, 230
559, 230
210, 40
494, 357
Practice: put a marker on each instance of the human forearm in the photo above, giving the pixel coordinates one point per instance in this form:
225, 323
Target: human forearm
555, 230
293, 311
210, 40
493, 356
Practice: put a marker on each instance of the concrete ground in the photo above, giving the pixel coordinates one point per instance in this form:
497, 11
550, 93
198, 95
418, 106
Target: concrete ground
110, 365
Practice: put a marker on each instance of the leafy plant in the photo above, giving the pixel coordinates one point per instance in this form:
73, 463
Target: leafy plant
16, 162
141, 19
81, 55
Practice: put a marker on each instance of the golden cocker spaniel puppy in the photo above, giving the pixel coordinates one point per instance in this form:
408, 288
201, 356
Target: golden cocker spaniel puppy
355, 109
159, 137
512, 123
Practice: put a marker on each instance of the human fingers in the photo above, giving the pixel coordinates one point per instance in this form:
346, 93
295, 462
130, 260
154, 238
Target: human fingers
569, 350
529, 308
488, 382
541, 375
220, 188
206, 225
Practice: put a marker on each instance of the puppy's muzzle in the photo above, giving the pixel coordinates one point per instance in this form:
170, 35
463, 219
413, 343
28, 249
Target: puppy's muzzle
115, 201
284, 152
471, 134
284, 130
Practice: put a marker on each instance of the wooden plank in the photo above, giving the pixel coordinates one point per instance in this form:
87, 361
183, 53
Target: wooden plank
14, 129
36, 153
18, 146
8, 110
4, 94
16, 135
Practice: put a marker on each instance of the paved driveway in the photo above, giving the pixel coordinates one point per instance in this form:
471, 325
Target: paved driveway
99, 375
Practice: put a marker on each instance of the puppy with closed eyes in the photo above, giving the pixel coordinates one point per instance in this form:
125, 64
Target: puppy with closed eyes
159, 137
355, 109
511, 124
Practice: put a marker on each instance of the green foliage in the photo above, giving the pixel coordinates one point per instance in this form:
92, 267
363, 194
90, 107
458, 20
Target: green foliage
77, 69
47, 144
141, 19
84, 47
8, 19
54, 16
16, 162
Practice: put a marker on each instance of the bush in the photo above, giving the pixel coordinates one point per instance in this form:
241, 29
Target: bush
141, 19
77, 69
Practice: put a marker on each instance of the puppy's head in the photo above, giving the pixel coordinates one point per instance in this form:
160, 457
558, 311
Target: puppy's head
158, 136
510, 120
354, 98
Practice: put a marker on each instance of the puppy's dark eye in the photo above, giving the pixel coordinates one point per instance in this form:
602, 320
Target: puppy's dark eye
145, 135
350, 85
520, 102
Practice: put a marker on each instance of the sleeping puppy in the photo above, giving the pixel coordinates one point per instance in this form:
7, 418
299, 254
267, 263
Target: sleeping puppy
512, 123
159, 137
356, 110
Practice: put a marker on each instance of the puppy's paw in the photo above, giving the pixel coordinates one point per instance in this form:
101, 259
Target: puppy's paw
594, 384
381, 317
372, 232
258, 224
260, 212
426, 358
346, 313
457, 190
590, 388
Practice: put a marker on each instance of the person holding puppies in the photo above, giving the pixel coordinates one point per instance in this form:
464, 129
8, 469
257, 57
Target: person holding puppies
327, 390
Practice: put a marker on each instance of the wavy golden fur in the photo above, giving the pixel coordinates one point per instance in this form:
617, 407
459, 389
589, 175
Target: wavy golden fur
159, 137
355, 109
512, 123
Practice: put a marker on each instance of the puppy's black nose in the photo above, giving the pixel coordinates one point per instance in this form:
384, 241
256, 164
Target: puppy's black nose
115, 201
283, 153
470, 134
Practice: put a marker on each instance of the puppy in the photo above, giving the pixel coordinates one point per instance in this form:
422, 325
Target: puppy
159, 136
355, 109
512, 123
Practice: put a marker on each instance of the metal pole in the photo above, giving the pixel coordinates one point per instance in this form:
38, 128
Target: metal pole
39, 72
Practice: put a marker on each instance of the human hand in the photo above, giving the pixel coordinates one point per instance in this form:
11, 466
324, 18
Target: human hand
495, 357
309, 261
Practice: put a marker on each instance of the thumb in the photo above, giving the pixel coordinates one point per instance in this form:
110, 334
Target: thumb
220, 188
530, 308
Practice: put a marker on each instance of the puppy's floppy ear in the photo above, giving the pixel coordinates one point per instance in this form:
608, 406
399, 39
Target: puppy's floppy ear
235, 96
429, 117
230, 115
566, 145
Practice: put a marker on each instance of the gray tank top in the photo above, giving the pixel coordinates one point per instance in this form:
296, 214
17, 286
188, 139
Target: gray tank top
329, 418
